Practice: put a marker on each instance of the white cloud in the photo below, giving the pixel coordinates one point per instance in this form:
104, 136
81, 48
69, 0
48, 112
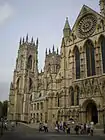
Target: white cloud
6, 11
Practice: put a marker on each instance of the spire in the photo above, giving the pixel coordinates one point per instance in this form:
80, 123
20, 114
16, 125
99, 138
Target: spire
102, 7
49, 51
67, 29
27, 37
37, 42
11, 85
23, 39
20, 41
32, 39
57, 50
34, 43
67, 26
46, 51
53, 48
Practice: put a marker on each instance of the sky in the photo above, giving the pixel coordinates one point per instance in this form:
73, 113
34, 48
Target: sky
44, 19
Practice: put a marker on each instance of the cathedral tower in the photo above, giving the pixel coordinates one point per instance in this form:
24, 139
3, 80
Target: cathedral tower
24, 75
102, 7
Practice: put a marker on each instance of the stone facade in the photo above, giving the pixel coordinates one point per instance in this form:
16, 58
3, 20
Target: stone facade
72, 84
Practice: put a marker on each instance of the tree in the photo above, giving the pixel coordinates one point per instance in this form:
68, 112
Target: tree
1, 109
4, 108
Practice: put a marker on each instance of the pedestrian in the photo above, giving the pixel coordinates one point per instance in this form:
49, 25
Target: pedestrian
91, 128
81, 129
45, 127
68, 129
1, 127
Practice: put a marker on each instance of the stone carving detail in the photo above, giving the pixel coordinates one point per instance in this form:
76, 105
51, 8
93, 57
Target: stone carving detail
86, 26
90, 88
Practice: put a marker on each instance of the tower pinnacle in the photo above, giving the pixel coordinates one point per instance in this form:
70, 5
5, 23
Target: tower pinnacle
27, 37
53, 47
20, 41
67, 29
102, 7
46, 51
32, 39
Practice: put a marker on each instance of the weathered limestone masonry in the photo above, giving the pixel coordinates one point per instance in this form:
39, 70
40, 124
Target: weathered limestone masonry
72, 84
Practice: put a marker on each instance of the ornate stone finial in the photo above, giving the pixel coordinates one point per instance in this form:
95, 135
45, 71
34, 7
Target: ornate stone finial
34, 43
37, 42
102, 7
27, 37
23, 39
49, 51
32, 39
20, 41
11, 86
66, 29
46, 51
53, 48
57, 50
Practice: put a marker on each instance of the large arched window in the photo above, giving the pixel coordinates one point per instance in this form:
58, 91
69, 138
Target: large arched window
77, 98
72, 95
102, 43
30, 62
58, 101
77, 62
18, 84
90, 58
30, 84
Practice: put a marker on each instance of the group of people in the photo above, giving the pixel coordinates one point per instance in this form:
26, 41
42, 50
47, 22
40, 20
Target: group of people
43, 127
78, 128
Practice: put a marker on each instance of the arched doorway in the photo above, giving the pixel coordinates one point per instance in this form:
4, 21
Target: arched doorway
91, 112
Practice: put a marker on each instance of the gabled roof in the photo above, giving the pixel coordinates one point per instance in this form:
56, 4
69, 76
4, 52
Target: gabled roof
67, 26
85, 10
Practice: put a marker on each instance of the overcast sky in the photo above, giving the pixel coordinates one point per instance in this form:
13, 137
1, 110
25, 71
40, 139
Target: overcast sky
39, 18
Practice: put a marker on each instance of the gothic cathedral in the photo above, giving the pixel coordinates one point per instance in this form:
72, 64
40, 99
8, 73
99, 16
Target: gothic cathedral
72, 83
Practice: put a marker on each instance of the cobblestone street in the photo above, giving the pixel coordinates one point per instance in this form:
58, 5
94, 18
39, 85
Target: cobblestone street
25, 133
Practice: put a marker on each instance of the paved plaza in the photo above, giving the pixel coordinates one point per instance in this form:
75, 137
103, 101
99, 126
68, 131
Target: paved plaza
22, 132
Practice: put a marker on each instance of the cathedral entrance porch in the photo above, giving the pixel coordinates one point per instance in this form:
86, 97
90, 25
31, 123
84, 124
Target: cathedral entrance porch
90, 111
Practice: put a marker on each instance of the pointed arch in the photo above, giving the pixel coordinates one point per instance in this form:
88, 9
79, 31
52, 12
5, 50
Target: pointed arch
90, 58
18, 83
30, 84
58, 99
77, 62
77, 94
102, 45
71, 91
30, 62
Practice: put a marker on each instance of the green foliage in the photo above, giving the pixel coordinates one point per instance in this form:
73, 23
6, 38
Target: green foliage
3, 108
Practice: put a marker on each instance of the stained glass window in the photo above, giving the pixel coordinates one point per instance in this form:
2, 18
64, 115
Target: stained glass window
77, 63
103, 53
90, 58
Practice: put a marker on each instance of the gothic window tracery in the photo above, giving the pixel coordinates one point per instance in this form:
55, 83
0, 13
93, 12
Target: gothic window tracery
77, 62
72, 95
90, 58
30, 62
30, 84
102, 43
58, 101
77, 90
18, 84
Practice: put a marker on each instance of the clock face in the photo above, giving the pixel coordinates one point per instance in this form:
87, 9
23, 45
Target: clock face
86, 26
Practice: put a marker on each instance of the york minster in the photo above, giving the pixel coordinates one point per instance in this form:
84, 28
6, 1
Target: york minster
72, 83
